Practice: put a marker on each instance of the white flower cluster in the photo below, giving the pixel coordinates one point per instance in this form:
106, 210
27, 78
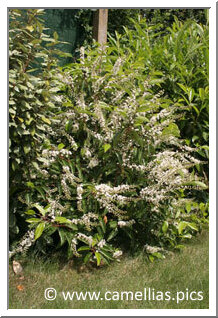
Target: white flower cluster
74, 243
87, 153
105, 189
71, 140
75, 127
168, 172
55, 153
88, 220
79, 191
82, 54
84, 238
101, 243
94, 134
66, 78
25, 243
70, 176
66, 188
117, 65
117, 254
55, 209
166, 112
153, 249
57, 98
93, 163
107, 197
52, 155
125, 223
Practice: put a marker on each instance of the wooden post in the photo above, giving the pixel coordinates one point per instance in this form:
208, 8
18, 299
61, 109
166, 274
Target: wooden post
100, 26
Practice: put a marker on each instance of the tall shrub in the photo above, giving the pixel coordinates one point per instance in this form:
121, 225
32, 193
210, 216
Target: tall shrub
113, 171
32, 88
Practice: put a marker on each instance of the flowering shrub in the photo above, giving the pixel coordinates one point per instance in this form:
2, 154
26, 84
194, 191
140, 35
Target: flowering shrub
113, 170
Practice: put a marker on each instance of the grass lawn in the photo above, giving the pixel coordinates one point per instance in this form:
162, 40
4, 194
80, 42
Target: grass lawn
185, 271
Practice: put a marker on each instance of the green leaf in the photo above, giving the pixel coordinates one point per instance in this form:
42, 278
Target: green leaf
193, 226
94, 241
62, 235
61, 146
106, 147
40, 190
182, 225
83, 248
40, 208
26, 149
30, 28
68, 125
87, 257
30, 212
186, 236
55, 35
137, 138
103, 226
14, 165
165, 226
197, 183
188, 207
30, 184
46, 120
140, 120
191, 94
172, 129
39, 230
33, 220
35, 164
112, 234
196, 109
98, 258
180, 246
113, 224
182, 87
158, 255
72, 226
151, 258
61, 219
201, 93
28, 198
143, 109
106, 254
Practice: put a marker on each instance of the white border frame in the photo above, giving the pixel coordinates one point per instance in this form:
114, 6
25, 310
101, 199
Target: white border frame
212, 165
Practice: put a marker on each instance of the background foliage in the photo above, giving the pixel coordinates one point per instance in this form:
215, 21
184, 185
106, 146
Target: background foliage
182, 57
75, 25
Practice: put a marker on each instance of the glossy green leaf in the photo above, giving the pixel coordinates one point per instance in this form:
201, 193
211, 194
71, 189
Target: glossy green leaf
61, 146
165, 226
106, 147
61, 219
39, 230
87, 257
40, 208
33, 220
46, 120
98, 258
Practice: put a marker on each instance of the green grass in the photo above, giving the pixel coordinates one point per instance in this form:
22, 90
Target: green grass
188, 269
